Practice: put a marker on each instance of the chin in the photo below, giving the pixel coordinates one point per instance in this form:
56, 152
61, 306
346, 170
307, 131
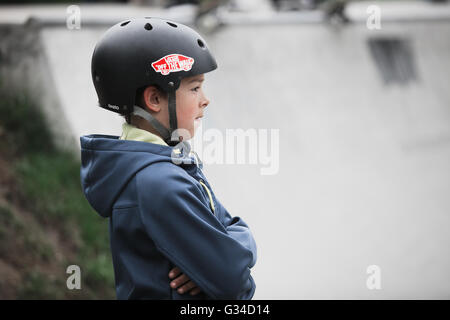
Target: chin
190, 134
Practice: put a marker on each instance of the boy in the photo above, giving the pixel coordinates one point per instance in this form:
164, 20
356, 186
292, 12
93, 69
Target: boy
170, 236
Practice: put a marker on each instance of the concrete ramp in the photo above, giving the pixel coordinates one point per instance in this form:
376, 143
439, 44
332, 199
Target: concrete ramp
357, 121
364, 164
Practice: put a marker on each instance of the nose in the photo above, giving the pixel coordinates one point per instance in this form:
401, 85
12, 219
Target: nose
205, 102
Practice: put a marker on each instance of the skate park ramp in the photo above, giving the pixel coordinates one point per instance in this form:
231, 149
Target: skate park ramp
346, 182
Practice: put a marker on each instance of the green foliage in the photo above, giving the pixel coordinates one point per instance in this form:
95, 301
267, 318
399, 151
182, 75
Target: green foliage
24, 126
7, 223
38, 285
48, 184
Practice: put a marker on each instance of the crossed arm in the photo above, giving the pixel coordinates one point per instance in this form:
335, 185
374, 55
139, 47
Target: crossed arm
201, 246
235, 227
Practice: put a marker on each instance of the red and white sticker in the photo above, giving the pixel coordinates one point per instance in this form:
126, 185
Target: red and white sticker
173, 63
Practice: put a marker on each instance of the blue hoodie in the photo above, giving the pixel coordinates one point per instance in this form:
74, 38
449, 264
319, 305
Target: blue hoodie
161, 215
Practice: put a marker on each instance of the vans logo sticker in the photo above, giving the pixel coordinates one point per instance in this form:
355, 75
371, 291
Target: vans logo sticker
173, 63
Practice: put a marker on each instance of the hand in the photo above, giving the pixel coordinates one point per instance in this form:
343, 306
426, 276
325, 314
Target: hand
182, 282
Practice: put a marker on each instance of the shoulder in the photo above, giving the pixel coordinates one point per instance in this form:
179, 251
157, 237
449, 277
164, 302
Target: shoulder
169, 188
163, 177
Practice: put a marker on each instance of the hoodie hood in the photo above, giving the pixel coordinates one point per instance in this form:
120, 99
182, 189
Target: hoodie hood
108, 164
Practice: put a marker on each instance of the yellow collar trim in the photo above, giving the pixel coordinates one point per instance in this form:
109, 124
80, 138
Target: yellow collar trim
130, 132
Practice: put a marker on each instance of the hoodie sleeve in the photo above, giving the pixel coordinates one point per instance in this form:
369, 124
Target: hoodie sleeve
239, 230
185, 230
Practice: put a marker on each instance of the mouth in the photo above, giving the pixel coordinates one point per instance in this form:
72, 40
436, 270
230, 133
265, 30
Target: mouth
198, 121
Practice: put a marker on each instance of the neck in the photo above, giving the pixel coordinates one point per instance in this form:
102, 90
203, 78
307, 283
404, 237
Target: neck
143, 124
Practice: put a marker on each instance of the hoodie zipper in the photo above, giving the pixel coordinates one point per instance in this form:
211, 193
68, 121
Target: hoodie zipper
209, 195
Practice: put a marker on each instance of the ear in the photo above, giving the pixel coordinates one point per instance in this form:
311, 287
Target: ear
153, 98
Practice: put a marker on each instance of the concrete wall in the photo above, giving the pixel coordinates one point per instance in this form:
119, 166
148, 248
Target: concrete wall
364, 172
26, 68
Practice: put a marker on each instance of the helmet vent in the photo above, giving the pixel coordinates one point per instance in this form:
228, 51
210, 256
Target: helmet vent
172, 24
148, 26
124, 23
200, 43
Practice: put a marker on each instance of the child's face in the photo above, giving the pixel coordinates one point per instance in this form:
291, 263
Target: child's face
191, 101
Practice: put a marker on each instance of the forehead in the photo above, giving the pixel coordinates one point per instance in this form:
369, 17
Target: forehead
197, 78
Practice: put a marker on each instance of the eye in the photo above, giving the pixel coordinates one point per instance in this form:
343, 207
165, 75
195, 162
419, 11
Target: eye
196, 89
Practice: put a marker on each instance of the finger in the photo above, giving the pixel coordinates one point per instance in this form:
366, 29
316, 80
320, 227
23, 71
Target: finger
179, 281
195, 291
186, 287
174, 272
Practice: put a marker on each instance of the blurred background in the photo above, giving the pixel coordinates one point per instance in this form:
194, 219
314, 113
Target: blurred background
360, 94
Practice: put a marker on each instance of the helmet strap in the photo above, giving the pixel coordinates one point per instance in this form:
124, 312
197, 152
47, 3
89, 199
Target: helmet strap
173, 118
165, 134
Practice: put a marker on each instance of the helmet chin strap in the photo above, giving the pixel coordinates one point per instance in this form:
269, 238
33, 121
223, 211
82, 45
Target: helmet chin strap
175, 138
163, 131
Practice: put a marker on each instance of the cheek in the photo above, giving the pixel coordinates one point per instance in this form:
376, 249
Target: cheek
187, 112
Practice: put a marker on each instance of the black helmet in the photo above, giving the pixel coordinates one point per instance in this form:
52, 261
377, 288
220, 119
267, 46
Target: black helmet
147, 51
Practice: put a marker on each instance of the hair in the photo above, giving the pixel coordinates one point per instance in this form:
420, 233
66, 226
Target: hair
127, 118
138, 100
